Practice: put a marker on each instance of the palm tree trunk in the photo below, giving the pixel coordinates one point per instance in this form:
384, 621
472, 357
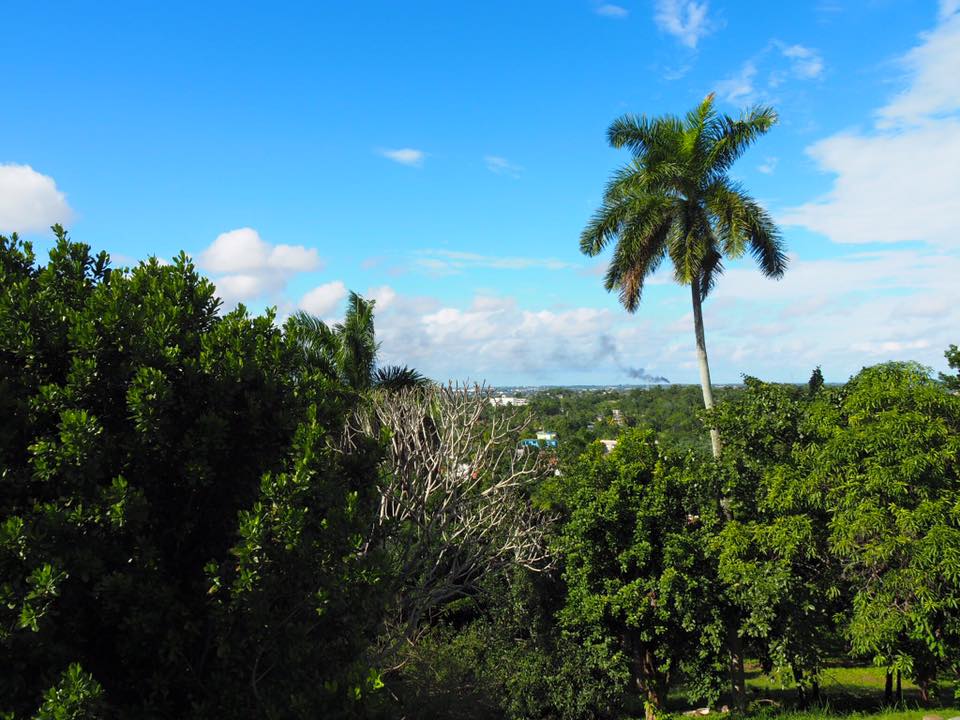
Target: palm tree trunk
702, 361
734, 641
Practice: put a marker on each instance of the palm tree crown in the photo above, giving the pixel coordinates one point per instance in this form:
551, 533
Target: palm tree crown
347, 352
675, 199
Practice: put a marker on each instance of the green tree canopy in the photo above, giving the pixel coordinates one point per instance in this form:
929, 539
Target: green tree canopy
179, 534
639, 580
882, 459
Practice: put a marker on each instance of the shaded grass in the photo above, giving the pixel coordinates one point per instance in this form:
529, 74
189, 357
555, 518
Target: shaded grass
845, 687
847, 692
898, 714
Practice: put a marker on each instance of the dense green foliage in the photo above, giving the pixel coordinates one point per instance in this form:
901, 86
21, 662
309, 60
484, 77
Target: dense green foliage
178, 534
639, 580
185, 532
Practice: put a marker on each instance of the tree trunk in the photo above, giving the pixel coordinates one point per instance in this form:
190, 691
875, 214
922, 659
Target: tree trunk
899, 689
738, 681
801, 688
702, 360
888, 689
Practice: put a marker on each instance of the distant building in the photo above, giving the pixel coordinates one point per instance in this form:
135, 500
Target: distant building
617, 416
608, 445
505, 401
542, 440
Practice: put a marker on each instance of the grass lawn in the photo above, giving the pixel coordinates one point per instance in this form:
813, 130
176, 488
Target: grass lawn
844, 687
848, 692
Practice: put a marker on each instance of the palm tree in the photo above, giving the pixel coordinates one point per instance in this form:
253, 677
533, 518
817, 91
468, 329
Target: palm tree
675, 199
347, 352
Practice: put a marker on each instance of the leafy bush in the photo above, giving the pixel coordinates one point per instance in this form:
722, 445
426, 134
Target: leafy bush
175, 515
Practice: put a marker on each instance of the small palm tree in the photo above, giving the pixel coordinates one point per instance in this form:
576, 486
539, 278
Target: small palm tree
347, 352
675, 199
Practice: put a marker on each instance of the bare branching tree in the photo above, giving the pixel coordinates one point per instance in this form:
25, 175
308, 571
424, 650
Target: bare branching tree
454, 494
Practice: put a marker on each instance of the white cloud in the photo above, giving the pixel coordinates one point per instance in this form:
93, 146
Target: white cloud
805, 62
493, 338
768, 165
30, 201
405, 156
323, 299
502, 166
686, 20
933, 68
900, 181
448, 262
250, 268
739, 87
383, 295
780, 62
841, 313
610, 10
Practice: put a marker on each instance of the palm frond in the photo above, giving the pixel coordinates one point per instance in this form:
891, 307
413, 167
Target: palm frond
394, 378
316, 340
766, 243
645, 137
358, 345
743, 225
639, 253
734, 136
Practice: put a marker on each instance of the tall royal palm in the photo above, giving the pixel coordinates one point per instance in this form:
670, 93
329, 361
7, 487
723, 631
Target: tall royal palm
675, 199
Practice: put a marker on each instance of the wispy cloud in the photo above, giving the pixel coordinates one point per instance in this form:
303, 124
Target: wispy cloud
739, 87
405, 156
502, 166
612, 11
768, 165
780, 62
30, 201
686, 20
899, 182
448, 262
805, 62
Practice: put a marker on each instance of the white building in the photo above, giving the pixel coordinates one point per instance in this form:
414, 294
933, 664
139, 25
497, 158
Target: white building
505, 401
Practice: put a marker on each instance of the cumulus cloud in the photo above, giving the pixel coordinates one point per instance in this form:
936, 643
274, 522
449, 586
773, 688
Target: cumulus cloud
840, 313
899, 181
494, 339
323, 299
383, 296
405, 156
246, 268
610, 10
29, 200
686, 20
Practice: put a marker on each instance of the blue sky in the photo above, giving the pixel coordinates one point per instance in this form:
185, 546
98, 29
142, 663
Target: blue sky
443, 158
